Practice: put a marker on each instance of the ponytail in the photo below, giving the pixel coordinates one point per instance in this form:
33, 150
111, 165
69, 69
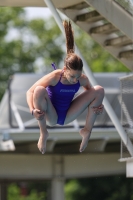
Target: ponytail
69, 37
72, 60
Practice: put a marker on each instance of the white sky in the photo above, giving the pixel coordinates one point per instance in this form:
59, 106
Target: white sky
38, 12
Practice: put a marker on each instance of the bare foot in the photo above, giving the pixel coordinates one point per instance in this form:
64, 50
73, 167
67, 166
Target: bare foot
85, 133
42, 142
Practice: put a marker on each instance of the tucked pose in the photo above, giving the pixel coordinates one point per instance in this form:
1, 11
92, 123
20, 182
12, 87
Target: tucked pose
52, 99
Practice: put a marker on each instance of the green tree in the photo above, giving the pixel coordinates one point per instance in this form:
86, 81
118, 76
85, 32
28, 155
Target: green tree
26, 45
36, 191
102, 188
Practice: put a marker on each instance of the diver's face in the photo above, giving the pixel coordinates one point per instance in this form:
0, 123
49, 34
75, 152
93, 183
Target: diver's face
72, 75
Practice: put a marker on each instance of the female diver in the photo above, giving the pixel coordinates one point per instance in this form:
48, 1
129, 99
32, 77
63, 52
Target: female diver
52, 99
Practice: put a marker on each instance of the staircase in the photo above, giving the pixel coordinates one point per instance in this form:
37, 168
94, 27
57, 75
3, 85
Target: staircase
108, 23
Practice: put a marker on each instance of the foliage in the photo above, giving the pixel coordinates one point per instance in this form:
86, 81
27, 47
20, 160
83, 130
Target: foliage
26, 46
116, 187
36, 192
102, 188
73, 189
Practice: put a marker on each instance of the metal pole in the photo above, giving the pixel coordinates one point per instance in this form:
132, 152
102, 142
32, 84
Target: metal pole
89, 73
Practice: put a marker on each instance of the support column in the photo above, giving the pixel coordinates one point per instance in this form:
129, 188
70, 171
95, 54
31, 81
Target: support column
58, 180
57, 189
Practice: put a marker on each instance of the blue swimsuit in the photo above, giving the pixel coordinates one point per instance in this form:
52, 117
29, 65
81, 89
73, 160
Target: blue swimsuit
61, 97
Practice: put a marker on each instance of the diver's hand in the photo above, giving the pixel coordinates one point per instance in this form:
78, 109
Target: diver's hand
38, 114
98, 110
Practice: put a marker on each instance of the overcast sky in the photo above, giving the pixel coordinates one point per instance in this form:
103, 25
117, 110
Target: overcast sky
38, 12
